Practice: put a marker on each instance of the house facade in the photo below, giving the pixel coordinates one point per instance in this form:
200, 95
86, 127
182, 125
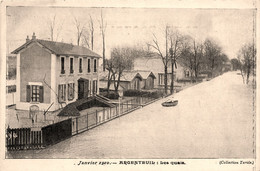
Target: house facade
53, 74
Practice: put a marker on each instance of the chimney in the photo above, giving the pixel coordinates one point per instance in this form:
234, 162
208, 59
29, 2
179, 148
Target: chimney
27, 39
33, 36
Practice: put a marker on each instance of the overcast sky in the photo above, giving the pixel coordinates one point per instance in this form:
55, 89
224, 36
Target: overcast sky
133, 26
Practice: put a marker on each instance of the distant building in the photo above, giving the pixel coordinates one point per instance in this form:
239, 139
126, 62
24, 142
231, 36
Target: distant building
153, 63
227, 66
11, 79
54, 74
134, 80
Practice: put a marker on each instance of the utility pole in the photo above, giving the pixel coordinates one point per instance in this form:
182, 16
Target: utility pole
172, 75
166, 63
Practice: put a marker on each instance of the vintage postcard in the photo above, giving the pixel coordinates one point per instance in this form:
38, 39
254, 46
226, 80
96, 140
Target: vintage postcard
129, 86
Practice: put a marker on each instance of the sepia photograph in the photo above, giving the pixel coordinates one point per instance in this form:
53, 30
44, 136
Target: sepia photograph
130, 83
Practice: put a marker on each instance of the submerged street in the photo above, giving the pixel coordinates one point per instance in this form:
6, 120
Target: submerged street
214, 119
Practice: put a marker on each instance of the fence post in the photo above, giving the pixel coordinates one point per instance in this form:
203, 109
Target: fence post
77, 125
96, 118
87, 121
122, 108
110, 113
41, 139
104, 115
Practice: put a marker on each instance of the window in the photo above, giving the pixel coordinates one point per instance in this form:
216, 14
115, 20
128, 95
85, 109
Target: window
149, 84
80, 65
94, 89
187, 73
34, 93
95, 65
11, 89
62, 93
161, 79
71, 89
137, 84
62, 61
71, 65
88, 65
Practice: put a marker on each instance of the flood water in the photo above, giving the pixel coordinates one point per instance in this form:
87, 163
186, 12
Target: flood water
213, 119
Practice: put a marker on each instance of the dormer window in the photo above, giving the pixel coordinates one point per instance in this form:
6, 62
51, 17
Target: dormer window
62, 61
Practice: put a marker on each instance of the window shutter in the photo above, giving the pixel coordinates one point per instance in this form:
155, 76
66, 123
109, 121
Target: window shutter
93, 89
28, 93
64, 92
69, 92
90, 88
59, 93
96, 86
41, 94
73, 87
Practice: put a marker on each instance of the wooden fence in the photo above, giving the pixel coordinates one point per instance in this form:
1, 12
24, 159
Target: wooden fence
36, 138
57, 132
23, 138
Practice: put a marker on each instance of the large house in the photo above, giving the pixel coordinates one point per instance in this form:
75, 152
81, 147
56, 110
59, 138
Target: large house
53, 74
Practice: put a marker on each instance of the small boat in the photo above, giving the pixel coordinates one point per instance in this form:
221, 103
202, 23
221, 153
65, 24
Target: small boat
170, 103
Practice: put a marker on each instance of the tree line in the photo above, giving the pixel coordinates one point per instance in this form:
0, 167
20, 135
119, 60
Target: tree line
197, 56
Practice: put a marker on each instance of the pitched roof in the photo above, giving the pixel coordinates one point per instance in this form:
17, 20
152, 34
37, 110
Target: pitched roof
154, 55
74, 108
146, 74
126, 76
60, 48
130, 75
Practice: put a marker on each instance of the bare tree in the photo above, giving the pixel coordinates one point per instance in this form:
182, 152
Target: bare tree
197, 55
85, 39
55, 28
164, 58
91, 28
103, 31
175, 52
193, 56
235, 64
111, 72
121, 59
186, 54
80, 29
246, 58
241, 67
212, 52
